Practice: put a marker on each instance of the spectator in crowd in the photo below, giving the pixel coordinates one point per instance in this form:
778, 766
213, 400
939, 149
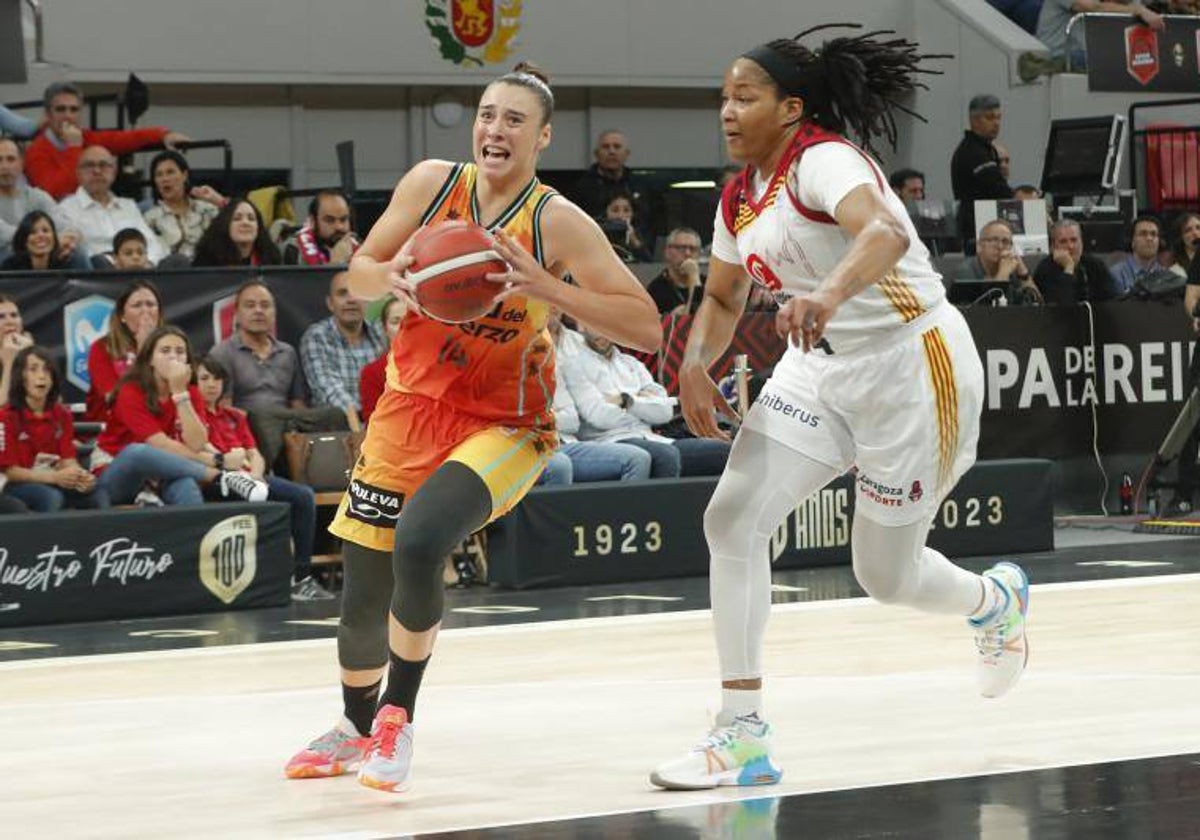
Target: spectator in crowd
975, 167
156, 432
35, 245
265, 374
13, 124
618, 219
13, 339
997, 259
1052, 31
138, 313
17, 199
129, 250
236, 237
909, 184
37, 440
1185, 243
334, 351
98, 214
327, 235
373, 378
1147, 237
618, 401
584, 460
609, 176
51, 161
236, 449
679, 287
1068, 275
1027, 192
181, 212
1024, 13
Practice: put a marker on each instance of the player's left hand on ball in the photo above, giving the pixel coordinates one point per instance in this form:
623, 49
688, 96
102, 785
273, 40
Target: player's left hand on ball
802, 320
524, 276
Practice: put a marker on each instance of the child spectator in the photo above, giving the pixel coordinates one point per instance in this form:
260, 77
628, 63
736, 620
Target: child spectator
37, 441
13, 339
229, 433
129, 250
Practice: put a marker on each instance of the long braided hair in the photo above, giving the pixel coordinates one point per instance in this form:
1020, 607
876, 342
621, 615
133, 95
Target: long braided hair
855, 84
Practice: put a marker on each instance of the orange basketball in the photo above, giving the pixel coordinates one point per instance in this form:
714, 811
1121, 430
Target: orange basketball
450, 261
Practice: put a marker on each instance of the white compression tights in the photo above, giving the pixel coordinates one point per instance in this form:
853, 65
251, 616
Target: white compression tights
763, 482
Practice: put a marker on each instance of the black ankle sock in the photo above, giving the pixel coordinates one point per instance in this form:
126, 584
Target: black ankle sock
403, 683
359, 705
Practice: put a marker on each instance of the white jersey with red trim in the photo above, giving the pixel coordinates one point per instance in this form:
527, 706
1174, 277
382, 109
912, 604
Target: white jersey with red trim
784, 234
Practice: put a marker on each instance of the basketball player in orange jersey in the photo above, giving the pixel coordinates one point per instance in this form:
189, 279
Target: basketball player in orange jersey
465, 424
882, 375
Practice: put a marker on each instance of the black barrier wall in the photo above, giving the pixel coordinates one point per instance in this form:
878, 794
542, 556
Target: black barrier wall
93, 565
1046, 367
618, 532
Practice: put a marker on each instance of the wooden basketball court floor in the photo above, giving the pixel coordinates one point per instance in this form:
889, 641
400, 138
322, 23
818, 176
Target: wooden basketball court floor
550, 728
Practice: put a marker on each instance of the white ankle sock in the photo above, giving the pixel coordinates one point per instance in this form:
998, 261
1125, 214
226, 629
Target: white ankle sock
737, 703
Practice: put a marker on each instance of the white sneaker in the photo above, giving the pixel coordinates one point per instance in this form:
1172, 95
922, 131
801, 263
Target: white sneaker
1000, 636
243, 485
738, 754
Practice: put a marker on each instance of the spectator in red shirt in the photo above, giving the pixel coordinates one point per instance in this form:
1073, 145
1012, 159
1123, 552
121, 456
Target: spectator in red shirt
229, 433
373, 377
156, 432
52, 157
137, 314
37, 441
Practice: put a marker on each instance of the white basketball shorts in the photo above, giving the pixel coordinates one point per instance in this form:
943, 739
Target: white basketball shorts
904, 412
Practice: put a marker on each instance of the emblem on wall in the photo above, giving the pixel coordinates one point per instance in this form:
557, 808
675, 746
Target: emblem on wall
473, 32
1141, 53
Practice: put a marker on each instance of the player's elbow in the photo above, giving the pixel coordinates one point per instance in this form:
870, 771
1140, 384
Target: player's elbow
648, 337
890, 235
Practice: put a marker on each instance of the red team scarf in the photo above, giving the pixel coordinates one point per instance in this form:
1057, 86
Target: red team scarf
311, 252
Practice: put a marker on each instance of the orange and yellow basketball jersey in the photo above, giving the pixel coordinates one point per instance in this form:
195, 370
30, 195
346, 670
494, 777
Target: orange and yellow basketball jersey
500, 366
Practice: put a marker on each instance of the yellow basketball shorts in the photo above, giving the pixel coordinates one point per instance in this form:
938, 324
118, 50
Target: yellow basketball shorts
409, 437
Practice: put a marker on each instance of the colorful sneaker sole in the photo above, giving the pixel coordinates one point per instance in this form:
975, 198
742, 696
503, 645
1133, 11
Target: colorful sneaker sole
321, 771
382, 784
760, 771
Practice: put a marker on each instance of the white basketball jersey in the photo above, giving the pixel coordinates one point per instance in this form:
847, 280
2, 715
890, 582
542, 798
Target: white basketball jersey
787, 239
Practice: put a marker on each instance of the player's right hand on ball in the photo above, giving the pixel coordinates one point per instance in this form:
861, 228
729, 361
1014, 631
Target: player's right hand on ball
397, 274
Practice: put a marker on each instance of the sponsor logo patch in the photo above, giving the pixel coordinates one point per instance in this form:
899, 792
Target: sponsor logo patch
228, 556
373, 505
777, 403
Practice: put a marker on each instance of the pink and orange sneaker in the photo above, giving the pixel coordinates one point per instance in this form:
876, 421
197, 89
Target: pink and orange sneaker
340, 750
388, 763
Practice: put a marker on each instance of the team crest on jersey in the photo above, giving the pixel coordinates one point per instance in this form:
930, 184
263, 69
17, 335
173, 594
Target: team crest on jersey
473, 32
915, 493
760, 271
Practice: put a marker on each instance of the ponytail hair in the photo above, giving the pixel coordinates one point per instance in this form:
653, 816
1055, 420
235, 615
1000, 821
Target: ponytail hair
848, 84
531, 77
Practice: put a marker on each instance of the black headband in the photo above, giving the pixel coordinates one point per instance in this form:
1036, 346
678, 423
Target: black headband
780, 68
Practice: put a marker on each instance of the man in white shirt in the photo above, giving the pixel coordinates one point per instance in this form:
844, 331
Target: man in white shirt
97, 213
618, 400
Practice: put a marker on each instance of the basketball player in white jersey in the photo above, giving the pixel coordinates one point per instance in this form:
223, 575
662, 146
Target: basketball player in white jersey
881, 375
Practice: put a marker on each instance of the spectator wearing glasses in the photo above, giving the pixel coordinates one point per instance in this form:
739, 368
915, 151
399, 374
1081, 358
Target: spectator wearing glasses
98, 214
51, 161
679, 287
1147, 237
997, 259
